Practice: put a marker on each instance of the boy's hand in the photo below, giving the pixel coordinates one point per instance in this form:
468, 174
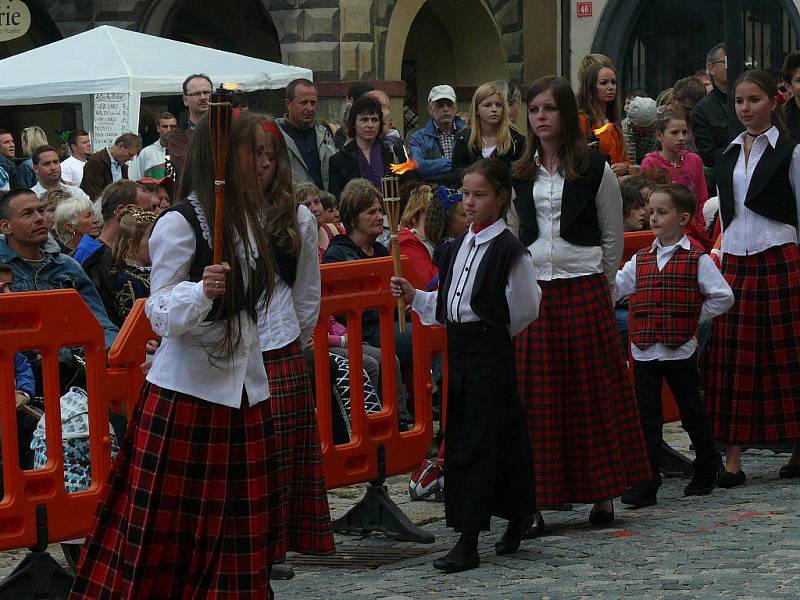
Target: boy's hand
401, 287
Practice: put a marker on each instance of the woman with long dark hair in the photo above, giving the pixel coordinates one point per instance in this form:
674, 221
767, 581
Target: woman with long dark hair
582, 416
185, 512
754, 360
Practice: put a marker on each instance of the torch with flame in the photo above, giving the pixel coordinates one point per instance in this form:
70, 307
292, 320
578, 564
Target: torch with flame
601, 130
402, 168
391, 203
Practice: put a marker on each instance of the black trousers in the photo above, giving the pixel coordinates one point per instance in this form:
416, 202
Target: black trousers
682, 378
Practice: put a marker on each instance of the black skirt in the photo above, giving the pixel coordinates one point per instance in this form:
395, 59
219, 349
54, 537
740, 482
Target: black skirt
488, 459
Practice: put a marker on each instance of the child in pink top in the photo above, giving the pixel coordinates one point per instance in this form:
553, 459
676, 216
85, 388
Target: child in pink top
684, 168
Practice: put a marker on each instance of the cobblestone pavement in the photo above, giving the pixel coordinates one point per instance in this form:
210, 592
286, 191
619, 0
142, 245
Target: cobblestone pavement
742, 543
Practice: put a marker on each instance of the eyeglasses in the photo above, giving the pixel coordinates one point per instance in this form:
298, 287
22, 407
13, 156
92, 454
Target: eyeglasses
198, 94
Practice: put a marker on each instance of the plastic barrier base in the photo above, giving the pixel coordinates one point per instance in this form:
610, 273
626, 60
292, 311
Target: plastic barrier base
376, 511
673, 463
38, 577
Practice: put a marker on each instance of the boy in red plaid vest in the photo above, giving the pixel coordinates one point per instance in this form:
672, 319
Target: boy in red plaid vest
672, 288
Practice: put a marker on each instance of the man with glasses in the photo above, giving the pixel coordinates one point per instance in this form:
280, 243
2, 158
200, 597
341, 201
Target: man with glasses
711, 117
197, 91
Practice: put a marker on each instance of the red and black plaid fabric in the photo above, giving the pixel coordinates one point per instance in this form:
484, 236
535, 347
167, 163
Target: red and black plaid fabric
753, 368
185, 511
301, 519
667, 302
582, 415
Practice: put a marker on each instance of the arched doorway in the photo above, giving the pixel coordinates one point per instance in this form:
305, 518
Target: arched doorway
643, 37
243, 27
429, 43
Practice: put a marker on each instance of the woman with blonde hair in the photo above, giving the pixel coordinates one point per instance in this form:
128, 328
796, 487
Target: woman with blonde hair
131, 257
74, 218
490, 133
32, 137
414, 240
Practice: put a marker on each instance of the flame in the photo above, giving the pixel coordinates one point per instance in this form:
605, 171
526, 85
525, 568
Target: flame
603, 129
402, 168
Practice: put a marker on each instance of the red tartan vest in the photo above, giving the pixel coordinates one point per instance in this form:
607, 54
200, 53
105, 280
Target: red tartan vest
667, 303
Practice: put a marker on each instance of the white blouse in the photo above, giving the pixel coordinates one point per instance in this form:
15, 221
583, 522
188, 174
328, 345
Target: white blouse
718, 297
293, 311
522, 292
556, 258
748, 231
177, 309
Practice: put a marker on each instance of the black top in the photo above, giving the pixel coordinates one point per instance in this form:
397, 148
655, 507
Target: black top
579, 224
770, 192
488, 299
98, 267
343, 166
791, 114
306, 141
714, 125
464, 156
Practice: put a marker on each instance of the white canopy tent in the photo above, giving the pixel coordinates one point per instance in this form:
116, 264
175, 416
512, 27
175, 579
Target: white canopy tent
108, 70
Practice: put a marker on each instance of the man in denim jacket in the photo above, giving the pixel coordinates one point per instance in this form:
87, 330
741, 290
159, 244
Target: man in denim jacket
432, 146
35, 259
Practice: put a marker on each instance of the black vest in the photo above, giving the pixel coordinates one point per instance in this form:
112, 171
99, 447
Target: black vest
770, 193
488, 293
203, 257
579, 223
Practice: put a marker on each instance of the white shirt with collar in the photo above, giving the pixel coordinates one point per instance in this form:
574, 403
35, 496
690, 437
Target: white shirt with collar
717, 292
748, 231
556, 258
150, 156
73, 191
293, 311
177, 309
522, 292
116, 168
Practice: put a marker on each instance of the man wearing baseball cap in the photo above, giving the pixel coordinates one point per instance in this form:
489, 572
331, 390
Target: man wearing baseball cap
639, 128
432, 146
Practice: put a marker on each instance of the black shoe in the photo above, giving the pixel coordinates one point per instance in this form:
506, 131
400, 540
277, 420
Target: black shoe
455, 562
789, 471
703, 482
600, 517
731, 480
641, 495
510, 540
533, 528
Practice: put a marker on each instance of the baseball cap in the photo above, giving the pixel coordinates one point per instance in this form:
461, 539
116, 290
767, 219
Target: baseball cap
442, 92
642, 112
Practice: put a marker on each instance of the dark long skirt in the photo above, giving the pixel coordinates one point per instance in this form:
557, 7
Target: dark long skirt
583, 420
300, 515
753, 379
489, 469
184, 513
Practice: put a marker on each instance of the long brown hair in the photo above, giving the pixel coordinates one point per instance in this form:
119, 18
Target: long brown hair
243, 207
574, 152
587, 95
767, 84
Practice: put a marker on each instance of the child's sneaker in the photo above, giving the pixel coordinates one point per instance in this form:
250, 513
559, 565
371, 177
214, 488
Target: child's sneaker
641, 495
703, 482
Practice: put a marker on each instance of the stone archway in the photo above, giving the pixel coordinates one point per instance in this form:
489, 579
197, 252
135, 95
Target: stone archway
463, 48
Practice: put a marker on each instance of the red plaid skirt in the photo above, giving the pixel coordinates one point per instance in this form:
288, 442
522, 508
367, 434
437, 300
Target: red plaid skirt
301, 518
753, 368
184, 512
575, 388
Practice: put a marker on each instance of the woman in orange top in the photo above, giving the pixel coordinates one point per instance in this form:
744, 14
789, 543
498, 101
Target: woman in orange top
599, 106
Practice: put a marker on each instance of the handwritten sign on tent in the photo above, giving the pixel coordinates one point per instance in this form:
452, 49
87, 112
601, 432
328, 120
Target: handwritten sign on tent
110, 118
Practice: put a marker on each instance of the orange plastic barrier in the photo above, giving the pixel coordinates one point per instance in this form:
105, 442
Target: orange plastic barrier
635, 241
47, 321
350, 289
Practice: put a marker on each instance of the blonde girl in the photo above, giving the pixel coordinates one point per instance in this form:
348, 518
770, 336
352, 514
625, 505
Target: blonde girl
131, 257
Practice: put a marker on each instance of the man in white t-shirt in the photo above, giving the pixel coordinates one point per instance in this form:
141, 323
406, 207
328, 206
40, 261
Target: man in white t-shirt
151, 161
80, 147
48, 173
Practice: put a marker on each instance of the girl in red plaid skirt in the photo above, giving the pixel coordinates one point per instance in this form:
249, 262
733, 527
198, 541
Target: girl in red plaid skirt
300, 515
754, 361
185, 513
582, 416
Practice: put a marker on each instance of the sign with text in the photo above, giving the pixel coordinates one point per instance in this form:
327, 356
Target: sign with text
15, 19
110, 118
584, 9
